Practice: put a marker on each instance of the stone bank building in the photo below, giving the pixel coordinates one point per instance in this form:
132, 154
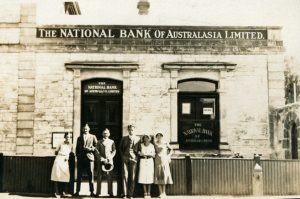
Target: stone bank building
210, 89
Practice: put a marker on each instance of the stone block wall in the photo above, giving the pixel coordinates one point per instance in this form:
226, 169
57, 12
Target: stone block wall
8, 101
26, 104
247, 106
53, 100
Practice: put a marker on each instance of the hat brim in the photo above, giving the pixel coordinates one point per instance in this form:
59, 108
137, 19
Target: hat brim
159, 134
148, 136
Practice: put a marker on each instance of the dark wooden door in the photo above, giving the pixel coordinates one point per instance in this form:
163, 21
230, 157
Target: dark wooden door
101, 108
101, 113
198, 120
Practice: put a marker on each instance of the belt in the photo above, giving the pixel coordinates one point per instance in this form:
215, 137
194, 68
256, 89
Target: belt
146, 157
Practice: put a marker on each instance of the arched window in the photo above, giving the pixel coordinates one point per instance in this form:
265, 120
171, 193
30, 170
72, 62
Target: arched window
198, 114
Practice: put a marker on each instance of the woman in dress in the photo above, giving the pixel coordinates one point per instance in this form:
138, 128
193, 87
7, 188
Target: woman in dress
60, 170
162, 173
146, 154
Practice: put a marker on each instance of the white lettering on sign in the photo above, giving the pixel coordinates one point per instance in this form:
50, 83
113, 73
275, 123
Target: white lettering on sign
193, 35
198, 130
135, 33
243, 35
208, 111
150, 32
94, 33
101, 88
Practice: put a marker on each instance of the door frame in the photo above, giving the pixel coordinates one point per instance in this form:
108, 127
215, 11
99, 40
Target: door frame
84, 70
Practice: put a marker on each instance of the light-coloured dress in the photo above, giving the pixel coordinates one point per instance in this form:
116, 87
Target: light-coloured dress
60, 170
162, 173
146, 171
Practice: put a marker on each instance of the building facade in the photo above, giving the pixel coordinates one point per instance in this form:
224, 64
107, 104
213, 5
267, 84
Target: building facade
211, 90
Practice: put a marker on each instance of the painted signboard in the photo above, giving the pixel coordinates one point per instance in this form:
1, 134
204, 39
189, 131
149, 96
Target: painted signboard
103, 87
153, 32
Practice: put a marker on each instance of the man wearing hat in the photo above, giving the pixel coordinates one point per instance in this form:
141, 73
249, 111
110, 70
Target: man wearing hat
128, 151
106, 151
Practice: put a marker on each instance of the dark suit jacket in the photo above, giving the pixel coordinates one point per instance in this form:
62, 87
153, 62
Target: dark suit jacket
85, 149
124, 149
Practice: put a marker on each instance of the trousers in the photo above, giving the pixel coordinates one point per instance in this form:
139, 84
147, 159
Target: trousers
88, 166
129, 177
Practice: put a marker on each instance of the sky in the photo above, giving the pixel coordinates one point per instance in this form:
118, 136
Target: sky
284, 13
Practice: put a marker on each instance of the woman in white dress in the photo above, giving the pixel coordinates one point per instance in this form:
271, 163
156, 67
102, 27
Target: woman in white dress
60, 170
162, 174
146, 153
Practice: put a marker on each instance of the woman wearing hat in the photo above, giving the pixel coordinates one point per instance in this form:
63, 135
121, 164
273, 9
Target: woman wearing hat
162, 173
146, 154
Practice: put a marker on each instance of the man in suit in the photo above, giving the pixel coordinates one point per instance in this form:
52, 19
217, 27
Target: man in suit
85, 148
106, 151
128, 151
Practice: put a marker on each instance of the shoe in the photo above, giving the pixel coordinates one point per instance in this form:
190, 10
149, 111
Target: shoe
93, 195
97, 195
56, 195
76, 194
66, 195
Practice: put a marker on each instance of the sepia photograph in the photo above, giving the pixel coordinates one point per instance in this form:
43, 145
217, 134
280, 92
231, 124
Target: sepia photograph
150, 99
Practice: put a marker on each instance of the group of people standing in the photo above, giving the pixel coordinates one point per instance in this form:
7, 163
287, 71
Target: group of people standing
141, 157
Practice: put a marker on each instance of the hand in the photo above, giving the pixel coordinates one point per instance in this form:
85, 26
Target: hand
141, 153
92, 148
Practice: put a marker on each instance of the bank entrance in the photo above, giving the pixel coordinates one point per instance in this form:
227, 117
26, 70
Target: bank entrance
101, 107
198, 114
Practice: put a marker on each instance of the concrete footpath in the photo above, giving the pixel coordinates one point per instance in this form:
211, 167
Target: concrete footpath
24, 196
